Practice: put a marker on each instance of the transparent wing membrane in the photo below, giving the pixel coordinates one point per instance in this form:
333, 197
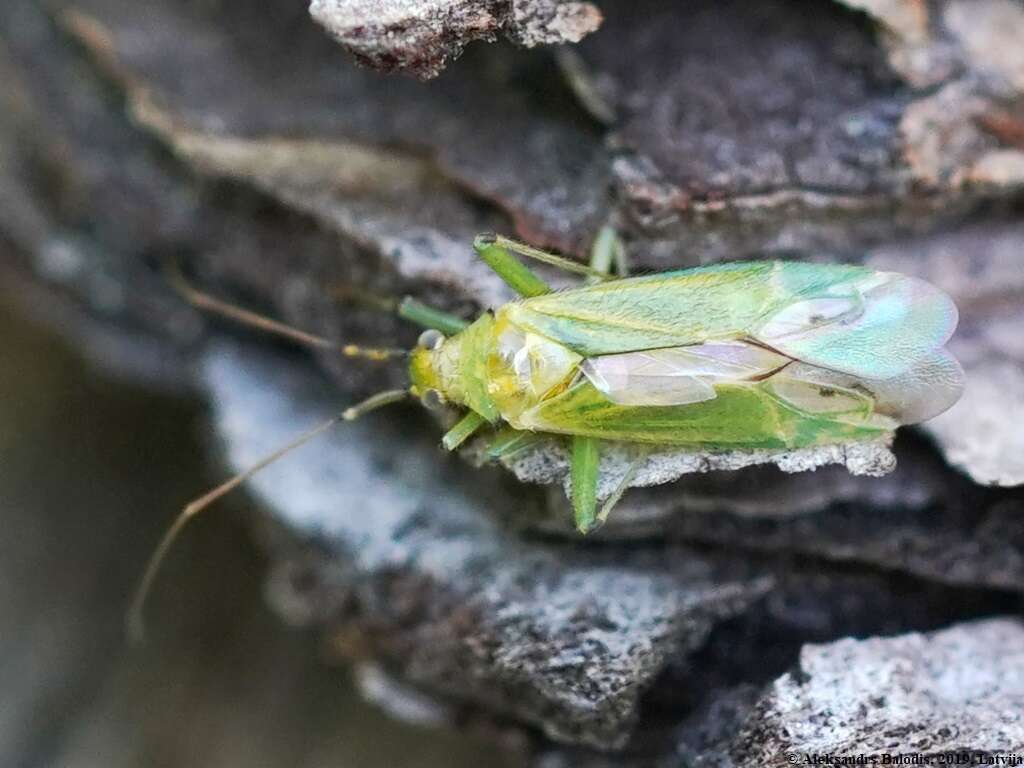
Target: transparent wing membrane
678, 375
814, 398
931, 387
878, 326
689, 374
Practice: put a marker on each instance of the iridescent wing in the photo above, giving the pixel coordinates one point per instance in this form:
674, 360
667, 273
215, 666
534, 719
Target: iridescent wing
877, 326
932, 386
851, 319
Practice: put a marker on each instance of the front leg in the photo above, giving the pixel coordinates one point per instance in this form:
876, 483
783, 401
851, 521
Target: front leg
464, 429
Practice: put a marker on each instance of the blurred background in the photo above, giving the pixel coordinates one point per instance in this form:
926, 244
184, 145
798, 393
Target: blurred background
91, 470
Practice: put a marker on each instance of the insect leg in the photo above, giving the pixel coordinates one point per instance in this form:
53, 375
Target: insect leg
607, 252
519, 277
619, 258
584, 462
621, 488
568, 265
426, 316
602, 251
463, 430
499, 249
510, 442
408, 308
133, 619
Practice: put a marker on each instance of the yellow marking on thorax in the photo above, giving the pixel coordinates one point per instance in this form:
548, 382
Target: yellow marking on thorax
524, 368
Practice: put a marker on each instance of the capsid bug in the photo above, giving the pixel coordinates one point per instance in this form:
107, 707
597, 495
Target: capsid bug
741, 355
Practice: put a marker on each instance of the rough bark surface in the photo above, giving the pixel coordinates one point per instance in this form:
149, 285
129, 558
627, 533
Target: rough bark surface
242, 141
420, 36
941, 693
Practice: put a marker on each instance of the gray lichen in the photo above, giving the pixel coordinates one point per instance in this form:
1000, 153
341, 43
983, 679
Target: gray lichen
420, 36
960, 690
549, 463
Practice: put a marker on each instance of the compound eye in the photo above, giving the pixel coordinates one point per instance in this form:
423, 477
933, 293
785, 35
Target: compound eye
430, 339
432, 400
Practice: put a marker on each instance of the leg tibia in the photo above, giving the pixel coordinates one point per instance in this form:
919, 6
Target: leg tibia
607, 252
584, 463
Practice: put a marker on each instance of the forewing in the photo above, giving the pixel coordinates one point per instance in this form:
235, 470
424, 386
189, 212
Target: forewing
678, 375
851, 319
877, 326
724, 301
815, 398
929, 388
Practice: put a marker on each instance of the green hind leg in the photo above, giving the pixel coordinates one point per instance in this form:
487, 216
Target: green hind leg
493, 249
584, 465
509, 442
410, 309
497, 252
584, 462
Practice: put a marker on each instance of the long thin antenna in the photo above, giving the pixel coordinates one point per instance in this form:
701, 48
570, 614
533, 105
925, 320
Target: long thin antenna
209, 303
134, 619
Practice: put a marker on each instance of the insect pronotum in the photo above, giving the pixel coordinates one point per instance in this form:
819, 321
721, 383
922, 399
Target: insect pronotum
743, 355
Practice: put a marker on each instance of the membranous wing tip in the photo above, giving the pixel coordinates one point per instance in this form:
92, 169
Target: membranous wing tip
876, 326
679, 375
930, 387
685, 375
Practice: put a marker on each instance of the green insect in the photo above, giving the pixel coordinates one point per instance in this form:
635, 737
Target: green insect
746, 355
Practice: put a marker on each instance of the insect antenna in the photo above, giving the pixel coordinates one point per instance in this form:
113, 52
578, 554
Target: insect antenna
134, 624
205, 301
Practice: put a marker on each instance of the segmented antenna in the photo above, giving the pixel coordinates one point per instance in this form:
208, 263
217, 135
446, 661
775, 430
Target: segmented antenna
134, 624
206, 302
